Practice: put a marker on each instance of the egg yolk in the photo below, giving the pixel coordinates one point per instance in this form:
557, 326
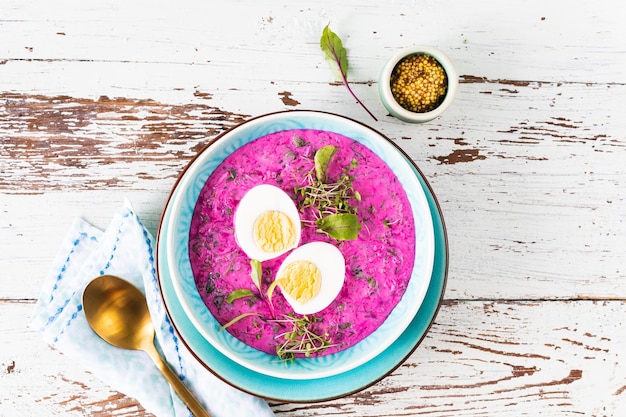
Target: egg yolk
274, 232
301, 280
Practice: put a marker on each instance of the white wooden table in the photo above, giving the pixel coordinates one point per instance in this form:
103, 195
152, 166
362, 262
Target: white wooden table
102, 101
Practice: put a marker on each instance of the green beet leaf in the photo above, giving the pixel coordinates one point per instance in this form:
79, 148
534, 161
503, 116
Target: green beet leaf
337, 57
323, 156
334, 52
342, 226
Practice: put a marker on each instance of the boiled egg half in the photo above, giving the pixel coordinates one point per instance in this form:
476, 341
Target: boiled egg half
267, 223
311, 276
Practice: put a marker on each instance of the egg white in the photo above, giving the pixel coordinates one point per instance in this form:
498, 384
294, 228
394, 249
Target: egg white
332, 265
254, 203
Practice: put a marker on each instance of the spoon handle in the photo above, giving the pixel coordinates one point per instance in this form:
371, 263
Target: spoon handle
183, 392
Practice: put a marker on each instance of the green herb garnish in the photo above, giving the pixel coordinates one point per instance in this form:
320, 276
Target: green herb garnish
300, 337
330, 201
237, 294
256, 272
322, 159
337, 57
236, 319
298, 141
341, 226
371, 281
388, 223
270, 291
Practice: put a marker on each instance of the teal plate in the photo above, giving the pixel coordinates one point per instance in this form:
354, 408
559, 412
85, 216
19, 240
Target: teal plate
317, 389
181, 207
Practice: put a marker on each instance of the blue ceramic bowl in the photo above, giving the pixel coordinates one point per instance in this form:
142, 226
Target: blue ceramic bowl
174, 264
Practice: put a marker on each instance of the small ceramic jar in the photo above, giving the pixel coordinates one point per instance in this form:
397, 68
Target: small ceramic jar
418, 84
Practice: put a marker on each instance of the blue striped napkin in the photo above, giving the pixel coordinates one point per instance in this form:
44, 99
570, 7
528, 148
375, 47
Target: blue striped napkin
126, 249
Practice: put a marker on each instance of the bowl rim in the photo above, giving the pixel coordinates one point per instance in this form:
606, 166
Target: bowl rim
401, 354
384, 86
191, 164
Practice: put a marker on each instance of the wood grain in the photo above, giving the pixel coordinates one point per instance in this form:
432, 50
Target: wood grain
522, 175
517, 358
56, 138
480, 358
106, 101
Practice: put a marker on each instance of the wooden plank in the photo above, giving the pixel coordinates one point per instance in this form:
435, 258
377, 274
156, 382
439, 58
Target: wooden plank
34, 226
36, 380
480, 358
508, 359
487, 39
503, 181
48, 140
104, 101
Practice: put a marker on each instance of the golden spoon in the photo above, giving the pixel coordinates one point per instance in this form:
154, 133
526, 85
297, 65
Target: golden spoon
117, 311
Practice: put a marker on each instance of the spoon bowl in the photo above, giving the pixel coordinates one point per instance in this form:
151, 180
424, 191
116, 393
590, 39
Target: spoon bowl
117, 311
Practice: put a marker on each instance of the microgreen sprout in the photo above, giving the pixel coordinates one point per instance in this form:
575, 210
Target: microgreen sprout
256, 272
330, 201
388, 223
270, 291
300, 337
236, 319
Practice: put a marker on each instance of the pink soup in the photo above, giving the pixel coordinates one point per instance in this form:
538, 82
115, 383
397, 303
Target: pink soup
378, 263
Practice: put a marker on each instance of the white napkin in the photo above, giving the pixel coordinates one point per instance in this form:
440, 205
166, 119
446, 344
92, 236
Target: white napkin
126, 249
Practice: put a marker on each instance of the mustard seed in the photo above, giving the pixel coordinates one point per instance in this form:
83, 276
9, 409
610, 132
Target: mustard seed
419, 83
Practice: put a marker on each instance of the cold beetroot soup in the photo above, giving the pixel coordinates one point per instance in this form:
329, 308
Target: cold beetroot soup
378, 263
